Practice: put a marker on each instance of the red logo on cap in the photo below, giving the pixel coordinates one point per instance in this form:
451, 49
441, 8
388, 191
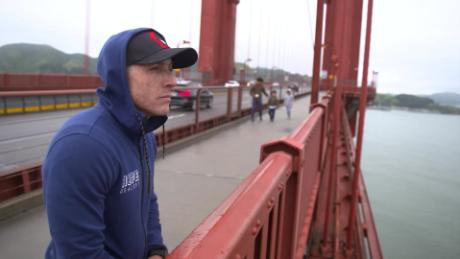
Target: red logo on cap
161, 43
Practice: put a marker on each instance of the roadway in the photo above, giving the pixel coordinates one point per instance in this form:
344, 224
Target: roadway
190, 182
24, 138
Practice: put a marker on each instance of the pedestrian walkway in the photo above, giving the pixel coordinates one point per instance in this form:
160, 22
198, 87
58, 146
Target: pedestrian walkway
190, 182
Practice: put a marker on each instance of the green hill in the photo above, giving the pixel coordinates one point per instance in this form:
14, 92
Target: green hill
35, 58
446, 98
413, 102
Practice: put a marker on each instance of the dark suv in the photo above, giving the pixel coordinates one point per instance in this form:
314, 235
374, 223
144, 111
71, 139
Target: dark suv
184, 95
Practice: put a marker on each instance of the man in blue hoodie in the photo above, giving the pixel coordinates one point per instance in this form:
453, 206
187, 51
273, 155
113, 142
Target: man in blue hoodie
98, 172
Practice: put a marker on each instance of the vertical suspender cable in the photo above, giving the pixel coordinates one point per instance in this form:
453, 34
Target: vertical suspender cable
362, 114
309, 22
250, 31
317, 53
152, 11
190, 21
258, 42
267, 40
87, 28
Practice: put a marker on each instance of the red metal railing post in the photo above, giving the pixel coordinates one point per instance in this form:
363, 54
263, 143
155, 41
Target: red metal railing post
67, 82
333, 154
26, 181
240, 99
37, 81
337, 73
362, 113
197, 110
5, 80
240, 89
229, 102
324, 128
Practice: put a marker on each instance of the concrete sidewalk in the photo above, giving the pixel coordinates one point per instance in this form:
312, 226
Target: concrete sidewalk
190, 182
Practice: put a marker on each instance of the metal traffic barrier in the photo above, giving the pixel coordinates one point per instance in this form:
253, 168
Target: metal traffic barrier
38, 82
13, 102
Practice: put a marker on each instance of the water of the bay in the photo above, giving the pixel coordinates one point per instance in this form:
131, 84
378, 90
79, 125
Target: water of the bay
411, 165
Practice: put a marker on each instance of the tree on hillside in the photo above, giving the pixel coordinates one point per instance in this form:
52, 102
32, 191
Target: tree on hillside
413, 102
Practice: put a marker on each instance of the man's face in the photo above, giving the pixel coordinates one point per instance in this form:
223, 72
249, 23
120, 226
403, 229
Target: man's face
150, 87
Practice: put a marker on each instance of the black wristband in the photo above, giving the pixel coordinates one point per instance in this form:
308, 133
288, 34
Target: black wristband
163, 252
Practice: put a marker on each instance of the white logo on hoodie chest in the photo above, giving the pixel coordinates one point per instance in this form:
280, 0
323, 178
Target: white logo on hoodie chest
130, 182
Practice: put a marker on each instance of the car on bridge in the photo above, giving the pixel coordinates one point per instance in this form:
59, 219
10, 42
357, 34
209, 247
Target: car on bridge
185, 93
251, 83
232, 83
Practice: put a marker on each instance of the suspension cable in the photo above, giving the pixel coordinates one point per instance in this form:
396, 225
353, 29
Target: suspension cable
190, 21
249, 32
310, 23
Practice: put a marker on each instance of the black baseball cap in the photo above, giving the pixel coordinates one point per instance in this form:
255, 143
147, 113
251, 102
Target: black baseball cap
150, 47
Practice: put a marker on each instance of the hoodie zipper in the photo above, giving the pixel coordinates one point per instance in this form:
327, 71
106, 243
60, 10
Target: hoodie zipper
142, 201
143, 156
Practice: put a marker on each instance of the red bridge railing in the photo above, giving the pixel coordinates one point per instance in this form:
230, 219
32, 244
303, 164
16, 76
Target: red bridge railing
277, 211
36, 82
269, 214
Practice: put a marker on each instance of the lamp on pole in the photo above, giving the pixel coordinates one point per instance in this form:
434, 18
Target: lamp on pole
272, 73
246, 66
86, 60
375, 77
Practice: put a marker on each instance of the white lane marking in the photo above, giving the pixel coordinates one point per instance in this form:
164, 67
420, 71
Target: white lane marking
49, 134
39, 135
4, 167
176, 116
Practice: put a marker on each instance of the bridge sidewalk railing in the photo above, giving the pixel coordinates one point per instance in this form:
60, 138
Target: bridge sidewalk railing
270, 214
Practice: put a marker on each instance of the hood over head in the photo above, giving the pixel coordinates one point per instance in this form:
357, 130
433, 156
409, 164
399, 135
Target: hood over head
112, 64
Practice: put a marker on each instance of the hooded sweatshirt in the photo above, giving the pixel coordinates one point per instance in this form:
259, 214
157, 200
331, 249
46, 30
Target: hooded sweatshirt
98, 172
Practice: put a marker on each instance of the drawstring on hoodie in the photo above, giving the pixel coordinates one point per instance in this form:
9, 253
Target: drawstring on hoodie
146, 152
163, 140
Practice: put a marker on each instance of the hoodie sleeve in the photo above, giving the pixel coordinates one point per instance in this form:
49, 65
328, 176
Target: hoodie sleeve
154, 234
155, 239
79, 173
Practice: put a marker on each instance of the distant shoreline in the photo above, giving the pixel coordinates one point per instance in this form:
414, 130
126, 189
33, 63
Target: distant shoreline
407, 109
442, 103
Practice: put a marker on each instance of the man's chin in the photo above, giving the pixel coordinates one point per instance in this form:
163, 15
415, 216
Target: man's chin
162, 112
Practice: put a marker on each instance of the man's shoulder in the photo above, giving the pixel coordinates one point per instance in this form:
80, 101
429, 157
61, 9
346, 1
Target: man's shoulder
93, 123
83, 121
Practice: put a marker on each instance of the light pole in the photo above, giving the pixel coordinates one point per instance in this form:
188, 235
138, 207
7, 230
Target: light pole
246, 62
86, 60
375, 77
272, 73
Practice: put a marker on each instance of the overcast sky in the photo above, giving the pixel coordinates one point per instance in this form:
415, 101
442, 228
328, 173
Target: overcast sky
415, 43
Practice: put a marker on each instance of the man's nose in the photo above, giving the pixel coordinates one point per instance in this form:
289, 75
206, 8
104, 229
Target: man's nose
171, 81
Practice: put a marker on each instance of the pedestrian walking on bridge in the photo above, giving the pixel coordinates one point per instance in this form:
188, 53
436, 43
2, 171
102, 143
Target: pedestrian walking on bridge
256, 92
272, 105
288, 102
